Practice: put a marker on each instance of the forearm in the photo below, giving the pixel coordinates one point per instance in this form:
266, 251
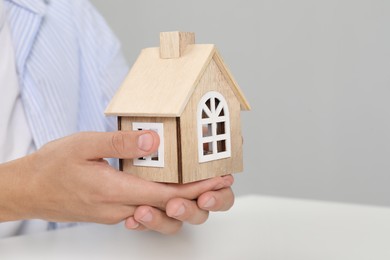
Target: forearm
12, 191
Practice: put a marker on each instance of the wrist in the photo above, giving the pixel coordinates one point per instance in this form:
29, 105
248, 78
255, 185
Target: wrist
13, 191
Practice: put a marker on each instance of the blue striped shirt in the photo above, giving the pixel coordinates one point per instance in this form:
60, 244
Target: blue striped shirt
69, 65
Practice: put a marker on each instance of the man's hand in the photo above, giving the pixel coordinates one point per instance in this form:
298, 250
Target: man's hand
68, 180
179, 210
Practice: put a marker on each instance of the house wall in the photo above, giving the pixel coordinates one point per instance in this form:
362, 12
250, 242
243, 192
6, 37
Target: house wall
169, 173
212, 80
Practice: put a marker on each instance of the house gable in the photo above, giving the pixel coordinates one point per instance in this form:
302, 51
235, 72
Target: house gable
232, 82
211, 80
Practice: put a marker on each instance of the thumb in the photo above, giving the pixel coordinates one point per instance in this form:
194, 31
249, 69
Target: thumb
120, 144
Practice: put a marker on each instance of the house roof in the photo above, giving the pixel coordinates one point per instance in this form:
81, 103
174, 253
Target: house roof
162, 87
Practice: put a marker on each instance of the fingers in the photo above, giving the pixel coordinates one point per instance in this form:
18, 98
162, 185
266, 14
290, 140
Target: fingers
197, 212
131, 223
158, 194
221, 200
120, 144
193, 190
186, 210
146, 217
179, 210
170, 222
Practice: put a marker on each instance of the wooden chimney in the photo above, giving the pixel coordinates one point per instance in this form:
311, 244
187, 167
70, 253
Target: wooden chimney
173, 44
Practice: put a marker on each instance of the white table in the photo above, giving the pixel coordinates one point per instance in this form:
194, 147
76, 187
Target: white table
256, 227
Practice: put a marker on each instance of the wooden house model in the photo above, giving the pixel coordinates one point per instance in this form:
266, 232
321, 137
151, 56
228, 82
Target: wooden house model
185, 93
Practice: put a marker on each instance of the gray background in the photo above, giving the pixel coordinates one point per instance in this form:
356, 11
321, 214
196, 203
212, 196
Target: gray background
316, 74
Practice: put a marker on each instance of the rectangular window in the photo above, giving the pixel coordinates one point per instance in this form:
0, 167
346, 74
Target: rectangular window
157, 158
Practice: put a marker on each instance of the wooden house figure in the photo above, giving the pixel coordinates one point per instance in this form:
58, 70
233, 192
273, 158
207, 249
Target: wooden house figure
185, 93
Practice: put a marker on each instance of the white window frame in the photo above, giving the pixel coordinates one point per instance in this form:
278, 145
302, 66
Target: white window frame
212, 120
147, 161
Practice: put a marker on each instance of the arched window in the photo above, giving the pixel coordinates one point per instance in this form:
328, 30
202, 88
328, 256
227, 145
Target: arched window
213, 127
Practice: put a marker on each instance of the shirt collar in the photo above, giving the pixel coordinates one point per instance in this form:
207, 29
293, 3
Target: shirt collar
36, 6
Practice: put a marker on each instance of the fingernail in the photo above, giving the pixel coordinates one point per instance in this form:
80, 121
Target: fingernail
227, 183
180, 211
145, 142
147, 217
135, 225
210, 203
132, 224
